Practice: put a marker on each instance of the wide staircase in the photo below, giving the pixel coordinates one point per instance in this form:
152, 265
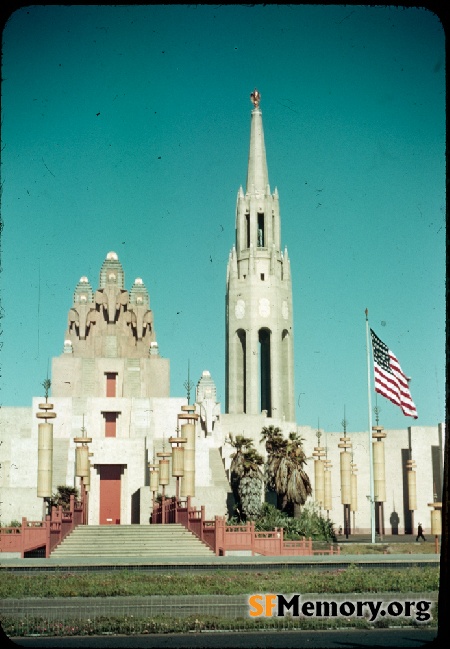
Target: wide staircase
122, 541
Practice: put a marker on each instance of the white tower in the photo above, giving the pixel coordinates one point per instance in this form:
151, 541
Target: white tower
259, 326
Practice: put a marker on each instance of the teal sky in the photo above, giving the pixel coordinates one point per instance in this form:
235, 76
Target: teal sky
126, 128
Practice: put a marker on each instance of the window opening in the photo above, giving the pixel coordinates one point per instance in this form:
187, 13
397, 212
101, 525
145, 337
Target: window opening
111, 384
111, 423
265, 382
261, 233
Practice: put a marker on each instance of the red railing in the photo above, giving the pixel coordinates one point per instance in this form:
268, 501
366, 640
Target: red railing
223, 538
46, 534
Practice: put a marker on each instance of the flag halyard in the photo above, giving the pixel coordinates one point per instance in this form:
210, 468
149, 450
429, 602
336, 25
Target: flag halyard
390, 380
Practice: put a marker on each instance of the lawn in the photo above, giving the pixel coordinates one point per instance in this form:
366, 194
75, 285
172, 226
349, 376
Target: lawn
352, 580
427, 547
227, 582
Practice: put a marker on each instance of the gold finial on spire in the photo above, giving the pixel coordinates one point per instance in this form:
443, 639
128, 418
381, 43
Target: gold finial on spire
255, 98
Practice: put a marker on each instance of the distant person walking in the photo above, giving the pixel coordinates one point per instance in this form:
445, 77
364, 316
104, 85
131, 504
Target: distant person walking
420, 533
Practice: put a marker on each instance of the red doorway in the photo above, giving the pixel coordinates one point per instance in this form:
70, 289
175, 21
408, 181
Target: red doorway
110, 493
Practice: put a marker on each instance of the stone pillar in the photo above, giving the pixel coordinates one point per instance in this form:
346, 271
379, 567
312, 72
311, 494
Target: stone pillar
379, 475
188, 432
178, 454
412, 492
83, 468
45, 451
346, 498
319, 473
328, 496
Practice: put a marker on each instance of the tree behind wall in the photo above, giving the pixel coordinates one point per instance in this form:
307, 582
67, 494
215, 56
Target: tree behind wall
284, 469
62, 496
246, 477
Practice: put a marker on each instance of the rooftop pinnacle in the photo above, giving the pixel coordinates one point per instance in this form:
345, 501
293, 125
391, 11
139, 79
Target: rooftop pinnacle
257, 175
255, 98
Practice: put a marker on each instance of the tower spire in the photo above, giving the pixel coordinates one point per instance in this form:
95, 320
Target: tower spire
257, 174
260, 365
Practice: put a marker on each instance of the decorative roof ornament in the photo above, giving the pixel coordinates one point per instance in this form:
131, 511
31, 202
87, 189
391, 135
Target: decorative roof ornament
188, 385
111, 272
255, 98
139, 295
83, 292
206, 388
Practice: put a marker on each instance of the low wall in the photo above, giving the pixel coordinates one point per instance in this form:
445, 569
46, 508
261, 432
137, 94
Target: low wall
47, 534
224, 539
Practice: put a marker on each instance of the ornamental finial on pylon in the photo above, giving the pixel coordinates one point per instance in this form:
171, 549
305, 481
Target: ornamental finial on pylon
255, 98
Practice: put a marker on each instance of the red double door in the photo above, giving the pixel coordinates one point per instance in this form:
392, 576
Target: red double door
110, 475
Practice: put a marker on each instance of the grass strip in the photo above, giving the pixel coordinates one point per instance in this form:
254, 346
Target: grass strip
136, 583
129, 625
427, 547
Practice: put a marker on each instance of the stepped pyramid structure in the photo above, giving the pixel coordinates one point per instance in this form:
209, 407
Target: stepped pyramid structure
110, 347
111, 384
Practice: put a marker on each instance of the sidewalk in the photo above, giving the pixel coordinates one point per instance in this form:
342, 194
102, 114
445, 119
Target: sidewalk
231, 562
385, 538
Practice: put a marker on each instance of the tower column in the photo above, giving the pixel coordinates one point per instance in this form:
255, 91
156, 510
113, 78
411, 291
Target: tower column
275, 363
287, 377
237, 370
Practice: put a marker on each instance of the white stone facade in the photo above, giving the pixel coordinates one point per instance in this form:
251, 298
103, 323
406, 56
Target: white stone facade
153, 421
110, 383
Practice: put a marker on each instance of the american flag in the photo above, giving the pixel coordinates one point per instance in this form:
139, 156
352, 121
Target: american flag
390, 380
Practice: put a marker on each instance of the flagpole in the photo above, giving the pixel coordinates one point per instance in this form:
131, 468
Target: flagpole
372, 494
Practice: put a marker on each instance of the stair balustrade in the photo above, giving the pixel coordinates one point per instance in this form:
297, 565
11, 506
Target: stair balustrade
223, 538
44, 535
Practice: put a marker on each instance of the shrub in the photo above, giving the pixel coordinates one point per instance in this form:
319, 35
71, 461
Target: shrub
62, 496
310, 524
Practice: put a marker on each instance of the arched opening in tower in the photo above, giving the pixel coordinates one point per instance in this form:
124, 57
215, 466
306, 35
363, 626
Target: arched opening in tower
261, 231
247, 230
241, 373
265, 378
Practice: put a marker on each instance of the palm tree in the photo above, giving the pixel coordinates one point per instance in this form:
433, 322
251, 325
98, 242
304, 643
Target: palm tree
246, 477
275, 448
284, 470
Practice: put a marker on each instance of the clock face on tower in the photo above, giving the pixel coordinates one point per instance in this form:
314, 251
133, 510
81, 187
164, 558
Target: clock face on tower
239, 309
264, 307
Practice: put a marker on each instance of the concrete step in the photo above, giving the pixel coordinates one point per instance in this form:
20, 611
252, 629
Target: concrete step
96, 552
136, 553
135, 535
131, 540
135, 529
124, 547
166, 546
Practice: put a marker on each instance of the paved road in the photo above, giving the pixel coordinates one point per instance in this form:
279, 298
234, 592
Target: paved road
348, 639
